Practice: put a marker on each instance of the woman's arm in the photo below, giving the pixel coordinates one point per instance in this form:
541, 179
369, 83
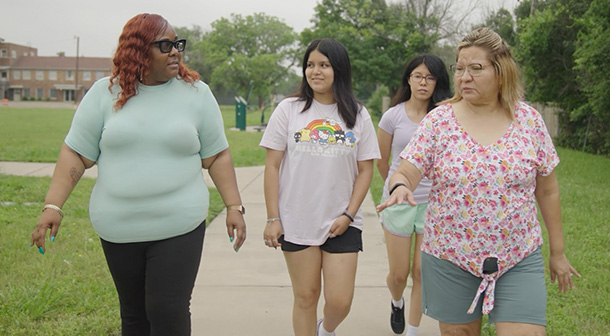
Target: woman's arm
385, 147
401, 185
361, 187
273, 229
547, 195
69, 169
220, 168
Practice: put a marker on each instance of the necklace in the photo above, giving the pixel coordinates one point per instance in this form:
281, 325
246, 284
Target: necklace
326, 118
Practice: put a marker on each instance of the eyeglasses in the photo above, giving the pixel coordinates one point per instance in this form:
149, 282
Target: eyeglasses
166, 45
474, 69
417, 77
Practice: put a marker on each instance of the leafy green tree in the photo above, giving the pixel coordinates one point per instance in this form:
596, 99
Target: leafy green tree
375, 104
382, 35
379, 38
250, 55
191, 35
547, 42
523, 9
192, 56
440, 19
563, 51
592, 69
502, 22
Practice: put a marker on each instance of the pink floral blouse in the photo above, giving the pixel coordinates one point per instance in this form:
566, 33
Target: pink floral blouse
482, 201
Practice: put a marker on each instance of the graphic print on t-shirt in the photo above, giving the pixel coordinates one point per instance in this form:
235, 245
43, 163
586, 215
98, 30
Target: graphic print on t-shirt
328, 135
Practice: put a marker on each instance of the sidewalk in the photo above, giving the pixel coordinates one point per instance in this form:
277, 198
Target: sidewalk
249, 293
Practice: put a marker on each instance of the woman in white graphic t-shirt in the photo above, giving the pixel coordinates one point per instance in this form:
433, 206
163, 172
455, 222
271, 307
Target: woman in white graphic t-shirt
320, 146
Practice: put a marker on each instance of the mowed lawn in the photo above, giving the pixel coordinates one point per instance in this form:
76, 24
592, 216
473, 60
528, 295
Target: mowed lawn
69, 291
36, 135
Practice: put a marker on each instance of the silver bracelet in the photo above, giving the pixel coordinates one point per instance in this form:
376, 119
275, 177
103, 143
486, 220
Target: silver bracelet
54, 207
271, 220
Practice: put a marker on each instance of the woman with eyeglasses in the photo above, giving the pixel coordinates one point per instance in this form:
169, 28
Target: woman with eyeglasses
424, 84
150, 128
490, 159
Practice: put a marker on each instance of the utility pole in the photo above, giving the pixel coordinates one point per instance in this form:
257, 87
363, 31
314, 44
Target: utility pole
76, 72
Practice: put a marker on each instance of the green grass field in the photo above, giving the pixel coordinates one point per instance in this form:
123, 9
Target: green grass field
36, 135
70, 291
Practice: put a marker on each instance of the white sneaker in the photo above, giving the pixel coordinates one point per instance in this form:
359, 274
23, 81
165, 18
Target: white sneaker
318, 329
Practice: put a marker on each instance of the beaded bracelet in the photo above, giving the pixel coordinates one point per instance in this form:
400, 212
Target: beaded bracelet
54, 207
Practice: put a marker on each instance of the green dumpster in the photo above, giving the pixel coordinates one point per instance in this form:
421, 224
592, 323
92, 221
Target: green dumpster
240, 113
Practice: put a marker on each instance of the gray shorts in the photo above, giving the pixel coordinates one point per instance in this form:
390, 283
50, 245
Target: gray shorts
448, 291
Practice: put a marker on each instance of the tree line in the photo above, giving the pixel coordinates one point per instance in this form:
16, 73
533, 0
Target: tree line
561, 45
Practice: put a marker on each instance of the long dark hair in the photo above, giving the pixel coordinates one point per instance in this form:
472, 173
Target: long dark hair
437, 68
347, 104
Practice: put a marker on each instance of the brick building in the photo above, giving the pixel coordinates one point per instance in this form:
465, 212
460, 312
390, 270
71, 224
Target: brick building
26, 76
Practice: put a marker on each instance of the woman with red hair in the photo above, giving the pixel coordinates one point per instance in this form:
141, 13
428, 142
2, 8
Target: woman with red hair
150, 128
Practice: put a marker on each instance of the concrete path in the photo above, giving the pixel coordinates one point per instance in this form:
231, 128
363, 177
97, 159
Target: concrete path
249, 293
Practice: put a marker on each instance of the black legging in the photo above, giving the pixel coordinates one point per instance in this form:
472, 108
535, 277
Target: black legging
155, 281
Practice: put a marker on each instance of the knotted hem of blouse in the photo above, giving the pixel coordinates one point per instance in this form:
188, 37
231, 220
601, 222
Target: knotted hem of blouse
488, 285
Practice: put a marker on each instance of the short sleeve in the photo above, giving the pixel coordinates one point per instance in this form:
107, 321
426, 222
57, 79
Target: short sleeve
387, 122
211, 132
420, 150
368, 148
88, 123
546, 154
276, 133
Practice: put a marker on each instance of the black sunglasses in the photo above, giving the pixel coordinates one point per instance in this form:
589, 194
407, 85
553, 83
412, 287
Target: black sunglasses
166, 45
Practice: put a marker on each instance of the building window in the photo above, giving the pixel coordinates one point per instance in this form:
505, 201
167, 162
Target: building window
27, 74
4, 75
26, 93
99, 75
16, 74
4, 53
52, 75
13, 54
53, 94
69, 75
39, 93
39, 75
86, 75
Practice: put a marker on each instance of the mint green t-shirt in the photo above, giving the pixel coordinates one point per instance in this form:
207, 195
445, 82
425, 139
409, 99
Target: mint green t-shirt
150, 184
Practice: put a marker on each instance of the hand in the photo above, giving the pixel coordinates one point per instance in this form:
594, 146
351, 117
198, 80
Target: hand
272, 233
236, 229
399, 196
49, 219
339, 226
560, 269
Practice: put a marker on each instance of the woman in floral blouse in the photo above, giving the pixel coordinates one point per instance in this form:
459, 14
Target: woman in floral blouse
490, 158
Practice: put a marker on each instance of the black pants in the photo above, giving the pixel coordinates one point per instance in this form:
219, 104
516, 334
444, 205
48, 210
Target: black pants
155, 281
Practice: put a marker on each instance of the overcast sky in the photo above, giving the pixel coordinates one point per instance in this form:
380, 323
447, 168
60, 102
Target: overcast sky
51, 26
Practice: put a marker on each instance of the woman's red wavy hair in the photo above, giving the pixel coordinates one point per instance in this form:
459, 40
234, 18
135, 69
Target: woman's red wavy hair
131, 59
